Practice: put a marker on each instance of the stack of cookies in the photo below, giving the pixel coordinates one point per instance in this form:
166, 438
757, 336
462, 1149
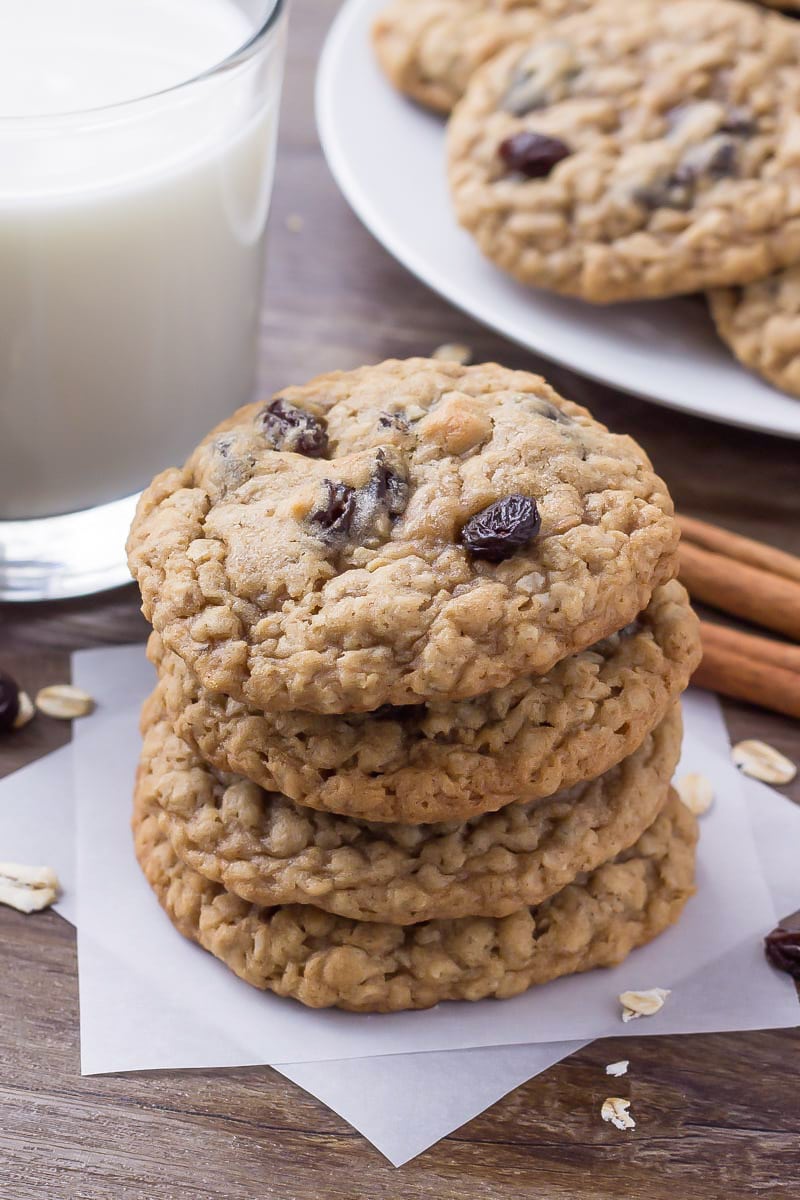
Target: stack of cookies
420, 648
619, 151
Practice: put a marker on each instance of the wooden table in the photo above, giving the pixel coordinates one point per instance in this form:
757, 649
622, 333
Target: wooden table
717, 1116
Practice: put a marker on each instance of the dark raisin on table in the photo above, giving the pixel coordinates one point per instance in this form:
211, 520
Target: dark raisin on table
9, 702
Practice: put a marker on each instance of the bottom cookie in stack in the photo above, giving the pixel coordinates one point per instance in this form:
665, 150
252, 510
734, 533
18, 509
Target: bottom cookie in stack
379, 917
324, 960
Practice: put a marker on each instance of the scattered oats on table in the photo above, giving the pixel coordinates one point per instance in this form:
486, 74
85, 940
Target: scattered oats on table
453, 352
763, 762
616, 1111
642, 1004
696, 791
27, 889
618, 1068
64, 702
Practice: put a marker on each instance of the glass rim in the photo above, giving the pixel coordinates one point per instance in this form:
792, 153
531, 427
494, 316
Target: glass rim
241, 54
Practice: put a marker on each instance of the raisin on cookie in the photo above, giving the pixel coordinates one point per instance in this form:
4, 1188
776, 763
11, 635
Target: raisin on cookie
450, 529
636, 150
324, 960
267, 850
452, 760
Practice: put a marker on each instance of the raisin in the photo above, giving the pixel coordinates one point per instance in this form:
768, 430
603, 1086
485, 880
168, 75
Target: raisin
782, 948
361, 515
723, 162
499, 530
545, 409
387, 489
675, 191
334, 518
289, 428
739, 122
9, 702
533, 154
393, 420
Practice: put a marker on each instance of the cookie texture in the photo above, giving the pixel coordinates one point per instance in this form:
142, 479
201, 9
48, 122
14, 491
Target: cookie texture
450, 761
636, 150
761, 325
407, 532
430, 48
324, 960
270, 851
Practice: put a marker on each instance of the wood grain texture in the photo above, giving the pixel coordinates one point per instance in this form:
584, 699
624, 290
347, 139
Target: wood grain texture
717, 1116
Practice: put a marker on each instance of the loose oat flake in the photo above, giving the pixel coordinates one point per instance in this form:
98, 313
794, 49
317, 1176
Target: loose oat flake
615, 1110
642, 1004
760, 761
27, 889
618, 1068
25, 712
696, 792
64, 702
453, 352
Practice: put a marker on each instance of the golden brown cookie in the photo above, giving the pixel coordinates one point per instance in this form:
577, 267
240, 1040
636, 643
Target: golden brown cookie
324, 960
450, 761
430, 48
403, 533
761, 324
270, 851
636, 150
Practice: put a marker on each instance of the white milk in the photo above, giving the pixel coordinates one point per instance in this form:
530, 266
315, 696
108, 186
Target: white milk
131, 239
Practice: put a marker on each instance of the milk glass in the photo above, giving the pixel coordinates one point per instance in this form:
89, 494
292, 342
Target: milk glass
137, 147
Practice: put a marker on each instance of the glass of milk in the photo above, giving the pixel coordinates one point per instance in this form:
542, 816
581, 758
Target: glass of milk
137, 146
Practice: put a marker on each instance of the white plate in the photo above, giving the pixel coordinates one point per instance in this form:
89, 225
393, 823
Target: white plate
388, 158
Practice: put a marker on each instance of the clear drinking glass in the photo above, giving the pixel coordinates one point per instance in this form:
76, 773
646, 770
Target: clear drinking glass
131, 264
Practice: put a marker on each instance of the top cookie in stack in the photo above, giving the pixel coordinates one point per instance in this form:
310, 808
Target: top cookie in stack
400, 534
407, 597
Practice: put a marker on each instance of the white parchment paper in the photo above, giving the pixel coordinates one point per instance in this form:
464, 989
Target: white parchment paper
404, 1101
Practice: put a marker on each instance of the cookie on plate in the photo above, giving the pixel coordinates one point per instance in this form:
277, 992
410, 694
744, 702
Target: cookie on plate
761, 324
452, 760
430, 48
636, 150
402, 533
266, 849
325, 960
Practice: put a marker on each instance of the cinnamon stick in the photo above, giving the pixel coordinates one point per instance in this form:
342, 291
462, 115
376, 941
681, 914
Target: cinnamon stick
746, 591
763, 650
745, 678
743, 549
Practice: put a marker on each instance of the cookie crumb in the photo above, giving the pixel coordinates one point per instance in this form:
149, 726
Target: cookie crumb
453, 352
64, 702
295, 223
696, 791
615, 1110
27, 889
642, 1004
763, 762
618, 1068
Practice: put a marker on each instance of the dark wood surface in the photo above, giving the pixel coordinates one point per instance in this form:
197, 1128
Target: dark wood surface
718, 1117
